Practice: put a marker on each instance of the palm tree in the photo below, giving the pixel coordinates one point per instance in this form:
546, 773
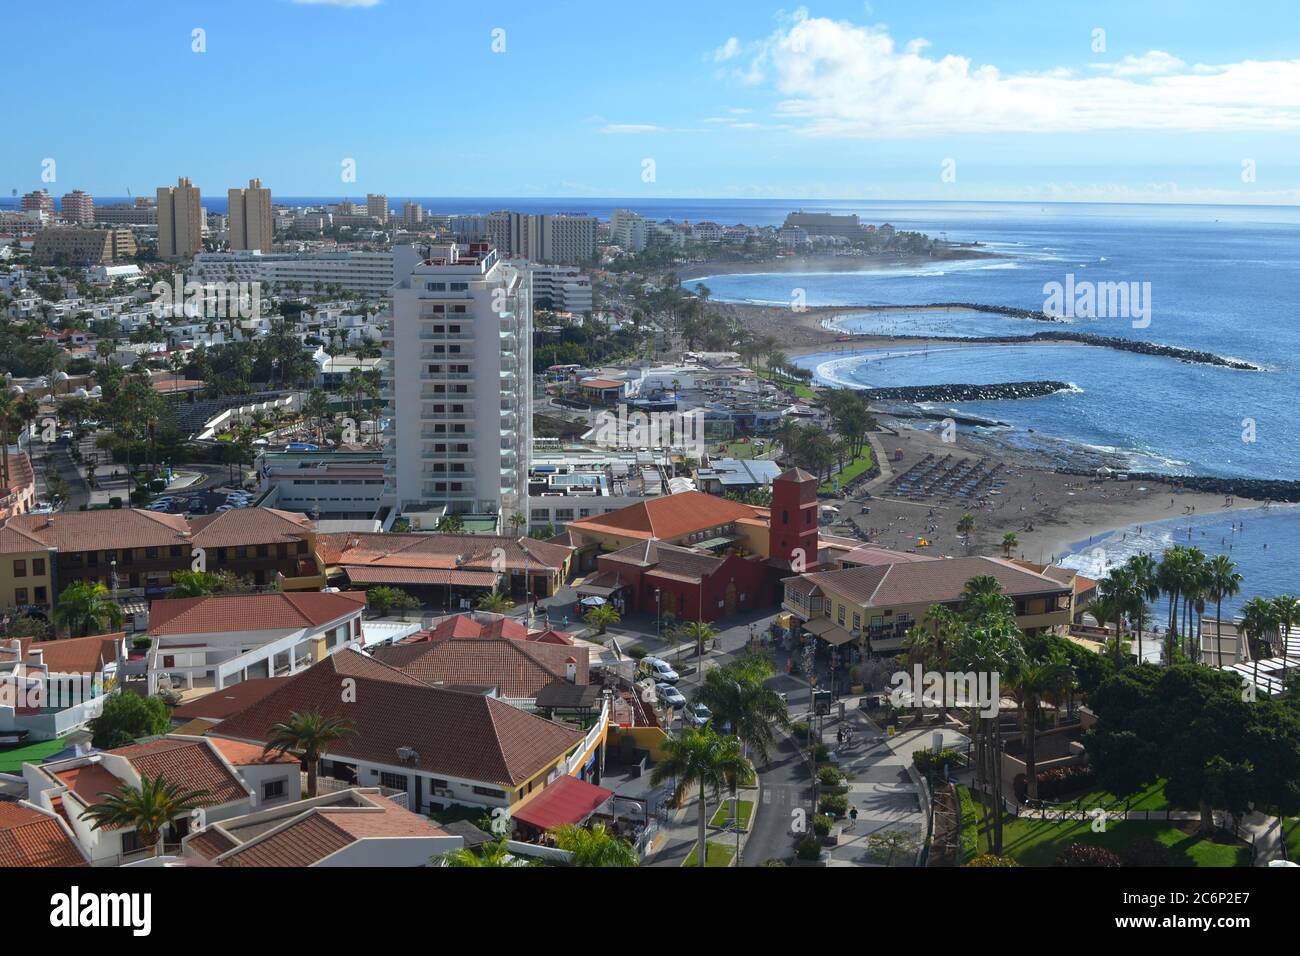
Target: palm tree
701, 632
451, 524
190, 584
1221, 581
494, 602
1259, 622
1009, 542
595, 846
602, 616
494, 854
1146, 574
1287, 609
85, 607
1119, 589
738, 695
966, 527
702, 759
307, 735
147, 809
1030, 683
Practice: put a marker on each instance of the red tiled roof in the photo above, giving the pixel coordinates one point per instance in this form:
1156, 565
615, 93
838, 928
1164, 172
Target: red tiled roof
30, 838
378, 574
241, 754
192, 764
667, 518
445, 551
323, 831
926, 582
230, 700
250, 526
520, 668
276, 610
73, 655
99, 530
452, 733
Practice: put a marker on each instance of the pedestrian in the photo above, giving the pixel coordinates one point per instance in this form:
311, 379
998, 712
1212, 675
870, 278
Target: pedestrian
853, 817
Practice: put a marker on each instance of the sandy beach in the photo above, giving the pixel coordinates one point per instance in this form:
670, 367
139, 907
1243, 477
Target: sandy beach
1048, 511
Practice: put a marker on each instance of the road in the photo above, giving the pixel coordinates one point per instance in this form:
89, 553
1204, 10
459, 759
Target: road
785, 785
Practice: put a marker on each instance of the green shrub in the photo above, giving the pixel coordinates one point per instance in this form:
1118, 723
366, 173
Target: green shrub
928, 763
822, 825
1054, 783
810, 848
1085, 854
835, 805
992, 859
1145, 852
830, 776
799, 729
820, 752
636, 652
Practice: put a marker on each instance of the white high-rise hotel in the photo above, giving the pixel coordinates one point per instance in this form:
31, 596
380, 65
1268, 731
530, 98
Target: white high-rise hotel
459, 385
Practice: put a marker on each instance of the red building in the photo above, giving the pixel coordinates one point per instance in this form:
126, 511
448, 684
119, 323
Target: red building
656, 578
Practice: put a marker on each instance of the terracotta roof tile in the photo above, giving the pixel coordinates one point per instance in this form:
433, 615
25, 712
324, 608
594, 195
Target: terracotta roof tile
73, 655
250, 526
101, 530
220, 613
667, 518
925, 582
30, 838
453, 733
229, 700
191, 764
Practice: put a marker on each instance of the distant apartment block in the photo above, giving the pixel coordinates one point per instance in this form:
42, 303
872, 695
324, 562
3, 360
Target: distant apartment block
564, 239
78, 207
825, 224
561, 289
377, 207
180, 220
77, 246
369, 273
412, 214
142, 212
38, 200
459, 384
250, 223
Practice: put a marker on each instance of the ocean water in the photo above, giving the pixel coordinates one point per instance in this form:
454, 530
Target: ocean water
1219, 279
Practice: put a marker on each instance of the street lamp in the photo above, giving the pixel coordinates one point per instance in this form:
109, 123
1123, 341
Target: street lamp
658, 614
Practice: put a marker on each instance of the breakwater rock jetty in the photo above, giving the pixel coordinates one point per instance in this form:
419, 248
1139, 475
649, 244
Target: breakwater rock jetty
966, 393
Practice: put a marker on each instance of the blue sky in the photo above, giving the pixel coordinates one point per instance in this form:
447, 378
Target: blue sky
729, 98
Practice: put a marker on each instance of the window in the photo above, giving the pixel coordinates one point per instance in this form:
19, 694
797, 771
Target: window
840, 615
174, 550
273, 789
489, 792
393, 781
20, 567
41, 596
38, 565
150, 554
857, 622
20, 596
262, 551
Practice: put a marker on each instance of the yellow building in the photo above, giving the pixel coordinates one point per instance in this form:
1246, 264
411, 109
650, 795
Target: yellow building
180, 220
877, 605
250, 224
26, 569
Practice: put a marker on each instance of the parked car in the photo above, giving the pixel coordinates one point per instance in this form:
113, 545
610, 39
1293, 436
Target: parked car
659, 670
670, 695
697, 715
68, 433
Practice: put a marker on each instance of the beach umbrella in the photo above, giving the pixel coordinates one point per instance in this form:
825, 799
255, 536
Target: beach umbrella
592, 601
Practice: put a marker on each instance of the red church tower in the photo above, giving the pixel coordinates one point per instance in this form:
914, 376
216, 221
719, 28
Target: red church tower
792, 533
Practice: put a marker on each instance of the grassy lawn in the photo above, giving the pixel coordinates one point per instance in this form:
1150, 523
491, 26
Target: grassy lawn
1291, 830
719, 854
11, 761
1037, 842
723, 814
1151, 797
852, 470
739, 450
794, 384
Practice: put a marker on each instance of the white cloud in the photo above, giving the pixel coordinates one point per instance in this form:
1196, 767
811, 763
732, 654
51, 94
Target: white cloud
1151, 63
839, 79
632, 128
728, 51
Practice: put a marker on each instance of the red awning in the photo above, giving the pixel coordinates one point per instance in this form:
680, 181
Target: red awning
568, 800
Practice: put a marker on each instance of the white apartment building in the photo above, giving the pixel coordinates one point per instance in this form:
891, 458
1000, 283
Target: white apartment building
459, 384
370, 273
562, 238
633, 232
560, 288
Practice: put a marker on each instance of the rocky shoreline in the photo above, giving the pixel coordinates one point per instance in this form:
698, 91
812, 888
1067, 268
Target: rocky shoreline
1000, 391
1255, 489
